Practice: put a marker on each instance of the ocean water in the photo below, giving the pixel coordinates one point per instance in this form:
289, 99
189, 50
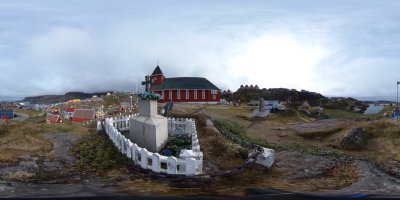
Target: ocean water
373, 109
10, 99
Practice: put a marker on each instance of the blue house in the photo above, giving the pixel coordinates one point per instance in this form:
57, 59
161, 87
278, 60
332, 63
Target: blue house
6, 114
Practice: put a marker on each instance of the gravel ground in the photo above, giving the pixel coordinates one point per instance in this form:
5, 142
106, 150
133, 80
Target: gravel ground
373, 180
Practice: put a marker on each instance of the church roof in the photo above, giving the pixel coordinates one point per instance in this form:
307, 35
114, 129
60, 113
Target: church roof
157, 71
186, 83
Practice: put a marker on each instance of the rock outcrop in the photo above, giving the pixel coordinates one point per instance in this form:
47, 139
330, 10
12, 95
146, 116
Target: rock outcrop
354, 139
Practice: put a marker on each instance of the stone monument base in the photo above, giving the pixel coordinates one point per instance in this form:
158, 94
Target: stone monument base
149, 132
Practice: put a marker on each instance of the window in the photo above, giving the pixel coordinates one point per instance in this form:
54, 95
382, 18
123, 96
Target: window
214, 97
170, 94
187, 94
203, 95
214, 91
178, 94
195, 94
162, 94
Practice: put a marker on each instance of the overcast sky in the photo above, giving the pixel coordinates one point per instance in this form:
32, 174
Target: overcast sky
337, 47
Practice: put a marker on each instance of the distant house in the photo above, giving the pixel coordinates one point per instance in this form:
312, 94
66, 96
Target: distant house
53, 119
311, 106
125, 105
100, 113
6, 114
68, 112
83, 115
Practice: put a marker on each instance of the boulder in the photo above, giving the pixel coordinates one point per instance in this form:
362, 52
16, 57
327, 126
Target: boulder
266, 158
354, 139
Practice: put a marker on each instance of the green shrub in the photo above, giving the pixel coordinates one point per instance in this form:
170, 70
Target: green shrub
232, 127
178, 142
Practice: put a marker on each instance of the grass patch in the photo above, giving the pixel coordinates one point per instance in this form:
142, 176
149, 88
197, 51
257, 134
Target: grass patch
30, 113
341, 114
319, 134
382, 129
232, 127
20, 176
240, 131
23, 138
97, 154
335, 154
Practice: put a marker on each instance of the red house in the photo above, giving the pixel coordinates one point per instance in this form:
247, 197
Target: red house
184, 89
53, 119
83, 115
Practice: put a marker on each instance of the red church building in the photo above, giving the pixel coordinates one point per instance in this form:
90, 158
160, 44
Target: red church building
184, 89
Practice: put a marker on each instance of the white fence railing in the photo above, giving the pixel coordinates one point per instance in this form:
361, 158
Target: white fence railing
154, 161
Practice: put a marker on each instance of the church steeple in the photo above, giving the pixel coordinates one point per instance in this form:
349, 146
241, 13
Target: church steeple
156, 78
157, 71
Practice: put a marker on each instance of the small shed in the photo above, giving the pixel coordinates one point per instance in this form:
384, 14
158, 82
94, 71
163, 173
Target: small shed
83, 115
53, 119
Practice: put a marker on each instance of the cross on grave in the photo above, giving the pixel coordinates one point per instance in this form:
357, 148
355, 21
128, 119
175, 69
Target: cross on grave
146, 83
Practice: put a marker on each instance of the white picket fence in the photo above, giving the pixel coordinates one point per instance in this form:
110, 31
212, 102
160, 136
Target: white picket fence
154, 161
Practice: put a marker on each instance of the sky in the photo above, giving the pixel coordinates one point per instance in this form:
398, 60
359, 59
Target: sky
334, 47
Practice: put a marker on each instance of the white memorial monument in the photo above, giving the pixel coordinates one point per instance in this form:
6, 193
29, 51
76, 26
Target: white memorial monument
148, 129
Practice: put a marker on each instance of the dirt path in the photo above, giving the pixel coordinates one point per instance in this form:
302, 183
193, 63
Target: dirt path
20, 116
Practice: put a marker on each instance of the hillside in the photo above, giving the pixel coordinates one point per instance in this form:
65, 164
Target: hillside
48, 99
294, 97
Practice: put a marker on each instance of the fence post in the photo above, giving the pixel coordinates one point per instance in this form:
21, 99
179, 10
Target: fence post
171, 165
156, 163
190, 167
143, 158
99, 128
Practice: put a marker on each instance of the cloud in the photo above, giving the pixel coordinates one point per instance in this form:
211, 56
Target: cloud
336, 48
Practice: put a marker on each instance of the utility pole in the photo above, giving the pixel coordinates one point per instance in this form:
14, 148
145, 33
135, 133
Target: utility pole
397, 102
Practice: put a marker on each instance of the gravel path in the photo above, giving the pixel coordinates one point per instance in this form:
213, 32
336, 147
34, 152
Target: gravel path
62, 143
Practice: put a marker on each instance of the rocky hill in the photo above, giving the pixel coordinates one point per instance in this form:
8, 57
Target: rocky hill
48, 99
294, 97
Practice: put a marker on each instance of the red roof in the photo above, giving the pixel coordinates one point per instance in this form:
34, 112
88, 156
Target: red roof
84, 114
70, 109
53, 118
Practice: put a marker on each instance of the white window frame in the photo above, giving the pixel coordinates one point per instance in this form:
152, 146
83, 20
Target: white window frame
170, 94
203, 94
187, 94
214, 96
178, 94
214, 92
195, 94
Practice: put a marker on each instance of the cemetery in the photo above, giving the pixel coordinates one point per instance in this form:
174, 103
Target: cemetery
148, 134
